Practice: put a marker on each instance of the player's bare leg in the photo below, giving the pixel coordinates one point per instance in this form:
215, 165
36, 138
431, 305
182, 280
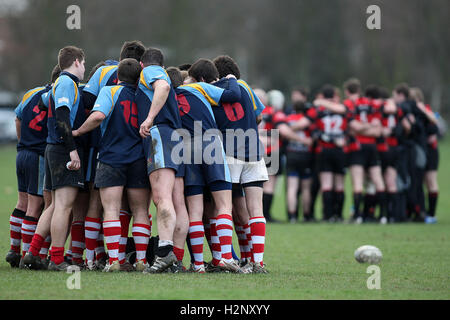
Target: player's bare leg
306, 198
64, 200
377, 179
357, 177
182, 221
339, 196
326, 186
162, 183
292, 185
138, 201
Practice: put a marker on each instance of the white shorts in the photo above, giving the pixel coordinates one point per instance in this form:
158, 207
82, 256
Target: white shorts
245, 172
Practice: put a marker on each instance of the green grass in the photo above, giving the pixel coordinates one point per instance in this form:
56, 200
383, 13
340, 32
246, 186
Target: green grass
305, 261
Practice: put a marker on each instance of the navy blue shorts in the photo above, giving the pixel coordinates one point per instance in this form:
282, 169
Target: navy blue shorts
215, 175
132, 175
158, 149
91, 164
30, 170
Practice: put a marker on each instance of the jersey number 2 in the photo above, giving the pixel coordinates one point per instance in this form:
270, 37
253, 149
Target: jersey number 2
34, 123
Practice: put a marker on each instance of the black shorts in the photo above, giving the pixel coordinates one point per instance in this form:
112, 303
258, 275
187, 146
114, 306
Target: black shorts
281, 163
432, 159
331, 160
367, 156
133, 175
30, 171
91, 164
389, 158
56, 173
299, 164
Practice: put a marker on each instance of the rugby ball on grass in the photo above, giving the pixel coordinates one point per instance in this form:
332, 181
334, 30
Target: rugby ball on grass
368, 254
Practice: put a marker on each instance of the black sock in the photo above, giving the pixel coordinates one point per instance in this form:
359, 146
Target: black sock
357, 199
370, 202
164, 250
291, 215
267, 203
188, 242
18, 213
339, 198
381, 200
327, 199
432, 202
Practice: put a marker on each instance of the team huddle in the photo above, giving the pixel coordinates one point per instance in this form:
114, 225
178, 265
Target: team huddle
389, 144
196, 140
93, 156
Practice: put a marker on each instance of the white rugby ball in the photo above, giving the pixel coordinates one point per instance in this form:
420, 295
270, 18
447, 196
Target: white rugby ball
368, 254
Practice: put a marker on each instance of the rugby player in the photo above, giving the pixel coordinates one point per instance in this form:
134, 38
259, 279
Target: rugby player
64, 168
195, 101
121, 163
106, 75
31, 128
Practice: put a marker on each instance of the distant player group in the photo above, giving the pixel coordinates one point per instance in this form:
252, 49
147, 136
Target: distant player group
388, 143
92, 156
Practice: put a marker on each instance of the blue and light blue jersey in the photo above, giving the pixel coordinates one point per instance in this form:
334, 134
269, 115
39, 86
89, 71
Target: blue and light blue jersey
65, 93
195, 103
120, 142
240, 115
33, 126
168, 115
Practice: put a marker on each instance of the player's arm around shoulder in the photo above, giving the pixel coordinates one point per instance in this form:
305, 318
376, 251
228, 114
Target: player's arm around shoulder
102, 108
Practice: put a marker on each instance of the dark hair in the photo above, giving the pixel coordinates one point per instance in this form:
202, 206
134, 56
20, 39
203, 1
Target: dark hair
204, 68
372, 92
184, 66
152, 56
132, 49
384, 93
175, 76
129, 70
94, 68
55, 73
303, 90
328, 91
68, 55
352, 85
299, 106
403, 89
226, 65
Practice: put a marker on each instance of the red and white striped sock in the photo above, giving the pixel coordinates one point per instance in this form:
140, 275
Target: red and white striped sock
258, 231
29, 225
91, 230
100, 249
242, 239
43, 253
15, 227
224, 227
196, 234
77, 232
111, 229
215, 242
125, 218
248, 234
141, 235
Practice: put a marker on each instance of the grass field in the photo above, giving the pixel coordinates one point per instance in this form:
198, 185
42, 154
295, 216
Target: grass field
305, 261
